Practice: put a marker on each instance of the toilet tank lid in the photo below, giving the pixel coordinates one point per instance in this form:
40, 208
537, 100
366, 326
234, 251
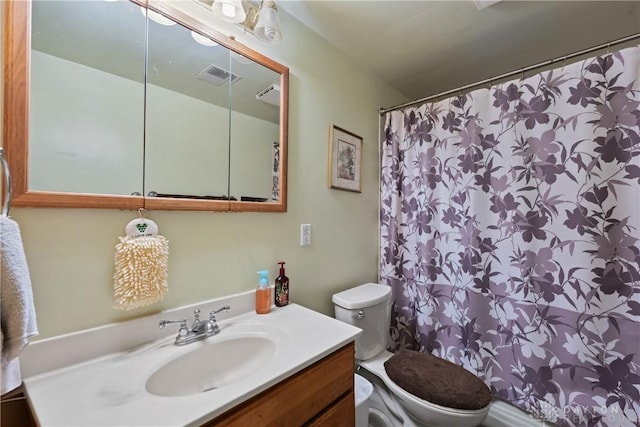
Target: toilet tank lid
362, 296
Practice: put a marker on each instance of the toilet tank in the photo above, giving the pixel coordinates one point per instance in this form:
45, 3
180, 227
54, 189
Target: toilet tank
367, 307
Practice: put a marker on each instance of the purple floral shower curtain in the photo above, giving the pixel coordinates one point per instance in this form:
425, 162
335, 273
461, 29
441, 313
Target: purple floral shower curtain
510, 227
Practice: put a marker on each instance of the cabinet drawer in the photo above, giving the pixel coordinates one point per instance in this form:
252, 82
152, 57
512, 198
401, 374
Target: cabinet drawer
341, 414
299, 398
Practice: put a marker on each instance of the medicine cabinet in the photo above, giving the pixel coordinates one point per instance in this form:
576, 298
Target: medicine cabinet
131, 105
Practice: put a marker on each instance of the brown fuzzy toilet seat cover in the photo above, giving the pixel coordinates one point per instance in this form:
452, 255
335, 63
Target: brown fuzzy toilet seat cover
437, 380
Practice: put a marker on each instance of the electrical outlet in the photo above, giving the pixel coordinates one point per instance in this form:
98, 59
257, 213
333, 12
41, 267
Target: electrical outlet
305, 234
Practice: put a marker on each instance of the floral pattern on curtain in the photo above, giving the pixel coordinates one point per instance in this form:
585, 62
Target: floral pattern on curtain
510, 227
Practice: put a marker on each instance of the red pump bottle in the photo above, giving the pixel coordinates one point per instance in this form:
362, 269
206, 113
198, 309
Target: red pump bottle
282, 287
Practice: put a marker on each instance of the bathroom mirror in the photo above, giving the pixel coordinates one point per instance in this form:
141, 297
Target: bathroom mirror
255, 125
187, 115
87, 97
199, 123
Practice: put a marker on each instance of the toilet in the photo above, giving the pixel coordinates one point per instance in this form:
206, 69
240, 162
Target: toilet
368, 307
363, 392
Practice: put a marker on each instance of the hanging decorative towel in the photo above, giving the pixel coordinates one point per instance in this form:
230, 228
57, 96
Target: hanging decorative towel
141, 261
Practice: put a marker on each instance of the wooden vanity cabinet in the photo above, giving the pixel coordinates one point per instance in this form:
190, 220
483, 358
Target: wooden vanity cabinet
320, 395
15, 411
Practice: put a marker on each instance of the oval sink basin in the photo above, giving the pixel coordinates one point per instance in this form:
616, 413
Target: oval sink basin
211, 365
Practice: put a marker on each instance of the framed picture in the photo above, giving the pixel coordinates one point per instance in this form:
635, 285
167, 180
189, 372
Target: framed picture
345, 159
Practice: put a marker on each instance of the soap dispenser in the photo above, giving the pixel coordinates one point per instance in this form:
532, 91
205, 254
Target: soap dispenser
282, 288
263, 293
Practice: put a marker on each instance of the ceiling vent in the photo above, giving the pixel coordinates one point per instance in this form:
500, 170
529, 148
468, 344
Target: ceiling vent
217, 76
270, 95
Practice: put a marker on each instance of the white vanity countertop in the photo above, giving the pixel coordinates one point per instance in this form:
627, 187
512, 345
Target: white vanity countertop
110, 390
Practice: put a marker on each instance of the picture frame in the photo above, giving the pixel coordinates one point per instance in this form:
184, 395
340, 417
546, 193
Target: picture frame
345, 160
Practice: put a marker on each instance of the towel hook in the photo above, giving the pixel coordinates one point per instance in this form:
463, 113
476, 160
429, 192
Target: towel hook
7, 184
141, 212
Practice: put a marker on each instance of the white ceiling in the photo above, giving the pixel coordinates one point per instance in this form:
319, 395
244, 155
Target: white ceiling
419, 47
426, 47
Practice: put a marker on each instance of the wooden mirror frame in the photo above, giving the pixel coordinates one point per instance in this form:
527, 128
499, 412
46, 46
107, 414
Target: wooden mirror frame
17, 54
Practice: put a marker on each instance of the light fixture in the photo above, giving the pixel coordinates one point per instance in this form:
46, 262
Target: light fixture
263, 21
241, 58
267, 28
156, 17
205, 41
229, 10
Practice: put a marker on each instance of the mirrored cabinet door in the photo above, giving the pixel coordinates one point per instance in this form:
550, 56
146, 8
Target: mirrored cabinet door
187, 116
87, 97
255, 132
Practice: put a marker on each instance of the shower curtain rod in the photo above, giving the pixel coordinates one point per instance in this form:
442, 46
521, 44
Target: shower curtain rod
515, 72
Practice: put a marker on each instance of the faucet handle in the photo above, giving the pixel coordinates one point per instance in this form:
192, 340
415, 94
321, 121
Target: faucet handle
213, 313
183, 325
164, 323
212, 325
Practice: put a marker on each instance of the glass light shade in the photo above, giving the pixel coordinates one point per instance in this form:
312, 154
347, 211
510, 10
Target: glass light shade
241, 58
157, 17
205, 41
267, 28
229, 10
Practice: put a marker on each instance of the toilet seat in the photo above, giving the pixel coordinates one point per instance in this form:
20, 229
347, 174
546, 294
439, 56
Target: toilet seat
437, 380
413, 405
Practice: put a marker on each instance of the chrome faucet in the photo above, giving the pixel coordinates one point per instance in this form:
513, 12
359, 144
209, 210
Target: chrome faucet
199, 330
198, 326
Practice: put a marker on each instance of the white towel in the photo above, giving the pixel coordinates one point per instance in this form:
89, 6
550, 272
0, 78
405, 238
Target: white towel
17, 312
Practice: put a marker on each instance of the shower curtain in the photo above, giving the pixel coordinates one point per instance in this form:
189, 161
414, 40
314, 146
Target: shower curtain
510, 227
